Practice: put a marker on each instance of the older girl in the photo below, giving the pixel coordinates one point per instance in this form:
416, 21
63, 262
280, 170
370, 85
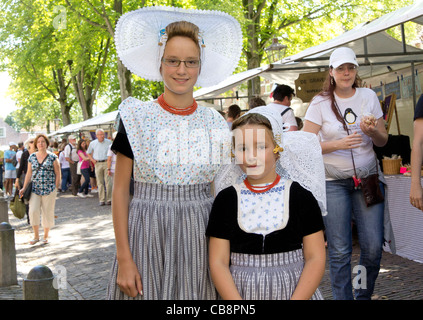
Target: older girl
172, 147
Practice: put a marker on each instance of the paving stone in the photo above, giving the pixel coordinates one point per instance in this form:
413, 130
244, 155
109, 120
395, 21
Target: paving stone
82, 242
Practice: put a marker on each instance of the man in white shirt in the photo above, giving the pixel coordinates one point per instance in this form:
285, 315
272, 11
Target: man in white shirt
72, 157
282, 96
97, 152
19, 154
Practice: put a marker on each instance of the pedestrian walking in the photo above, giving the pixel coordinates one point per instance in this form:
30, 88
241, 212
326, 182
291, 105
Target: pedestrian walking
72, 158
348, 119
85, 169
97, 152
66, 172
44, 171
10, 168
23, 168
167, 144
266, 232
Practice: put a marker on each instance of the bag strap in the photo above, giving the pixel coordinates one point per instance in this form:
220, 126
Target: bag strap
352, 156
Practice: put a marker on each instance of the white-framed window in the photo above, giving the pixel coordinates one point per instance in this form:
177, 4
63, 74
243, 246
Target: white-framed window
2, 132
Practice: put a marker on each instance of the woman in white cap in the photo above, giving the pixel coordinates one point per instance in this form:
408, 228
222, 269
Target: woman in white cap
172, 147
348, 119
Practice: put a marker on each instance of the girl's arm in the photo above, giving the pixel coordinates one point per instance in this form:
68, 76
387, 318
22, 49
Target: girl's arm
219, 256
314, 267
128, 279
83, 156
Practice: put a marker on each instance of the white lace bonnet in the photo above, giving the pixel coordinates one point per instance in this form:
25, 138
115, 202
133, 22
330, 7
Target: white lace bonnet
301, 160
140, 40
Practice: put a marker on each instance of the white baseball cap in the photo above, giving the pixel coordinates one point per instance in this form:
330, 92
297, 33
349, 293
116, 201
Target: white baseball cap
342, 55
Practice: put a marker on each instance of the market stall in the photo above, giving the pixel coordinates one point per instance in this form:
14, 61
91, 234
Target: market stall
406, 220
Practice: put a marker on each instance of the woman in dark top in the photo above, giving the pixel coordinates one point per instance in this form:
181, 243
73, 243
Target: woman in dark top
23, 167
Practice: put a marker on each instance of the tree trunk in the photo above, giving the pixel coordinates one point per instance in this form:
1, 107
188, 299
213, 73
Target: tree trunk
62, 88
253, 50
124, 76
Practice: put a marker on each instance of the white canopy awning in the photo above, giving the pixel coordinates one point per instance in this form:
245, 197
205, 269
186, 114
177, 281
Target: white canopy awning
99, 121
229, 83
375, 50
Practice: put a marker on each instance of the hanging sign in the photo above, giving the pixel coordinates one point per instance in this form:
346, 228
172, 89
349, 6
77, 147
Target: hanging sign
309, 84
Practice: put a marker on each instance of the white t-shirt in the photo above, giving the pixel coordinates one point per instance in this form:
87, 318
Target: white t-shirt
352, 109
18, 157
288, 118
71, 152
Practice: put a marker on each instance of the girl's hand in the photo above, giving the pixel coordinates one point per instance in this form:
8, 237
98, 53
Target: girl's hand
129, 279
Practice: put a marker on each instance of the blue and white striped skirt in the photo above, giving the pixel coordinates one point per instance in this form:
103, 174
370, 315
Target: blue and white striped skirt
167, 238
268, 276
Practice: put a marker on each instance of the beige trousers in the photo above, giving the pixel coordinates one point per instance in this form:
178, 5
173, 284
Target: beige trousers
104, 182
42, 206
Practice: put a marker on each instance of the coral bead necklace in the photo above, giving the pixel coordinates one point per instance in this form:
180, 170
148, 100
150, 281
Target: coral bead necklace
183, 112
261, 189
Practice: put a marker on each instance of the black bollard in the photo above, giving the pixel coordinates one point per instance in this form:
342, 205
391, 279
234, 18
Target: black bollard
8, 274
39, 285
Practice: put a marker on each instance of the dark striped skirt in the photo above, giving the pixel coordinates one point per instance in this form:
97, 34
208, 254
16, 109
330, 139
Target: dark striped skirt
268, 276
167, 238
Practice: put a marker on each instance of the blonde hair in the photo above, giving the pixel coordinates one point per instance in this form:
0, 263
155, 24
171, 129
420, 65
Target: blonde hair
184, 29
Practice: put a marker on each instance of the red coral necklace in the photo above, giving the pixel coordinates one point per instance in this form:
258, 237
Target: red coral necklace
183, 112
261, 189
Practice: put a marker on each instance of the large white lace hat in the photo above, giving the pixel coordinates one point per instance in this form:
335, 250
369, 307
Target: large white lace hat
138, 34
301, 159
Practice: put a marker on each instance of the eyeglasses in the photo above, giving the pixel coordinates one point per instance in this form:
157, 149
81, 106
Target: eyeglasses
176, 63
341, 69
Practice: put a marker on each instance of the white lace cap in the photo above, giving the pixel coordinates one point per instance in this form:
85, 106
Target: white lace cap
139, 32
301, 160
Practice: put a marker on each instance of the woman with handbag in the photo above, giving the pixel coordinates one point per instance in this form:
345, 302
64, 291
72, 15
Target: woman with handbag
348, 120
44, 173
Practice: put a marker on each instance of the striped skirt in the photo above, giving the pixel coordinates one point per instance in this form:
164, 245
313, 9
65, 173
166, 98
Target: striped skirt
268, 276
167, 227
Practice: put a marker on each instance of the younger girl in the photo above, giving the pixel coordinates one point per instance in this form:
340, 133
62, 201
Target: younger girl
85, 169
266, 238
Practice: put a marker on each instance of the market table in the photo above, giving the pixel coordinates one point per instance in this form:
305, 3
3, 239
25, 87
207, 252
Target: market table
407, 221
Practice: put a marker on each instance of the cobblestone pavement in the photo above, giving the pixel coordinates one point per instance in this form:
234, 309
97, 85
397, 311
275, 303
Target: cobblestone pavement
82, 244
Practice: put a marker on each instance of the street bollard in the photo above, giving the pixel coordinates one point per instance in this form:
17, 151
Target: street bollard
8, 274
4, 215
39, 285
